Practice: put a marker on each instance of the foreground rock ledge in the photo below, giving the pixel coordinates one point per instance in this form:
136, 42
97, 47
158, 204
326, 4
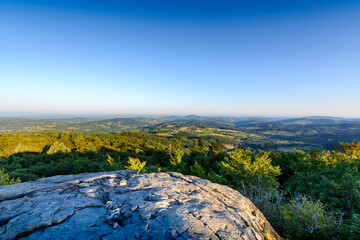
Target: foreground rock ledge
123, 205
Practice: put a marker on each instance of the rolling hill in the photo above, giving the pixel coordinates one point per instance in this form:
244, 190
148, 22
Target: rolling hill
256, 132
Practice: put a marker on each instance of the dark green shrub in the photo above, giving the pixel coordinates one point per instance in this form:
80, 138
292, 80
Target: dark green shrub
301, 218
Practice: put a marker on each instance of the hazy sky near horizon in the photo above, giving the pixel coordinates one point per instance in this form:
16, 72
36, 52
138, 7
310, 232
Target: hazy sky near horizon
204, 57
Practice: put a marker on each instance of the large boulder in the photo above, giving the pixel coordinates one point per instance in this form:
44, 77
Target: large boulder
124, 205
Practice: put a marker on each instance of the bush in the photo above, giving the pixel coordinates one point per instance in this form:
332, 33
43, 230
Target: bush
23, 175
153, 168
268, 201
351, 229
301, 218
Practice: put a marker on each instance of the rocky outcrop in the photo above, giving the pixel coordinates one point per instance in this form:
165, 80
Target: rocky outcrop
123, 205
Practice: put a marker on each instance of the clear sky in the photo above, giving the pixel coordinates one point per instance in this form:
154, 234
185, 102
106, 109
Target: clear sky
205, 57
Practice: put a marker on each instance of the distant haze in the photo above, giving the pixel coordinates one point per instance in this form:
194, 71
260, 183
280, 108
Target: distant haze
233, 58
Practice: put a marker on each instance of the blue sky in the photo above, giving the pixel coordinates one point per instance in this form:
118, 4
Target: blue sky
240, 58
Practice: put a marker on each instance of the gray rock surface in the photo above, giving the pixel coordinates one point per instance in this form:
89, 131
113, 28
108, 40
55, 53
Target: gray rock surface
123, 205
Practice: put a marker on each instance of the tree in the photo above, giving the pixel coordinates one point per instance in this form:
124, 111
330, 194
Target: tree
111, 161
216, 148
201, 144
352, 149
6, 180
135, 163
176, 153
194, 148
58, 147
216, 154
337, 186
243, 167
198, 147
19, 148
197, 170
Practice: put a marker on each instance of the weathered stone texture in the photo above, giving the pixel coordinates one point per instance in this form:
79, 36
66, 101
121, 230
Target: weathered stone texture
123, 205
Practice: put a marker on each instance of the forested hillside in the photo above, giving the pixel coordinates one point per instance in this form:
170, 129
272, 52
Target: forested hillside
304, 194
322, 133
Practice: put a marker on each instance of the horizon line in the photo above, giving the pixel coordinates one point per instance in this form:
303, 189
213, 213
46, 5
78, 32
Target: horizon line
49, 115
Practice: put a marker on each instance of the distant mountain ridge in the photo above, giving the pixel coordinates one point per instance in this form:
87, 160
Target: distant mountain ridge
255, 132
